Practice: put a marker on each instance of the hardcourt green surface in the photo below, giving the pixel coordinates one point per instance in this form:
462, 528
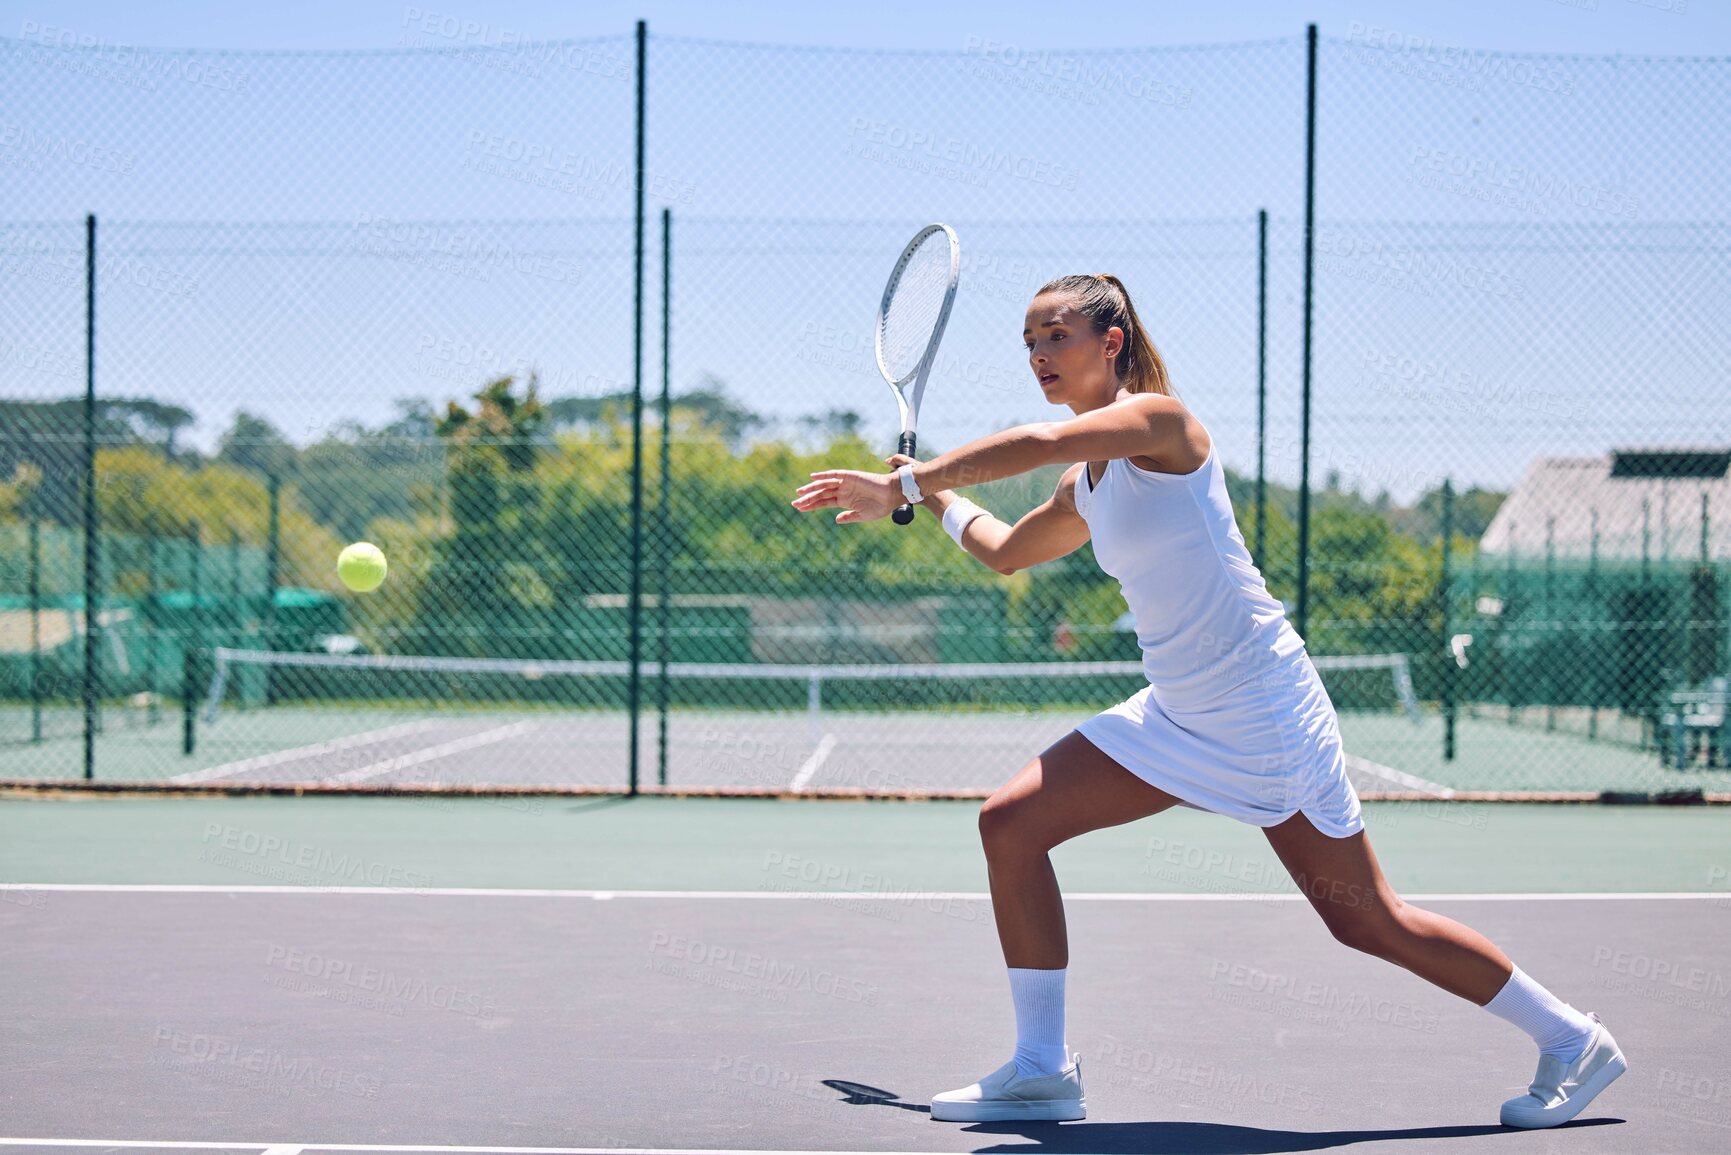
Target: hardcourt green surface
880, 847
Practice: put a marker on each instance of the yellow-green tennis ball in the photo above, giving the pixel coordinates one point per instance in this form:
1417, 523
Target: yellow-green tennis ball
362, 566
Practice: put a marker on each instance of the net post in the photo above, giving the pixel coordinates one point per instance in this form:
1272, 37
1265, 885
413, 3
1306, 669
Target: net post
814, 705
152, 685
1507, 616
273, 576
1448, 658
1547, 655
35, 629
1594, 691
236, 588
188, 698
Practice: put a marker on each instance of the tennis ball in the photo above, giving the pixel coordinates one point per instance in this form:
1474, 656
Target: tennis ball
361, 566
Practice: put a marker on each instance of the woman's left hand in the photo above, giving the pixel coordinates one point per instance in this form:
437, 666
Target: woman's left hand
860, 496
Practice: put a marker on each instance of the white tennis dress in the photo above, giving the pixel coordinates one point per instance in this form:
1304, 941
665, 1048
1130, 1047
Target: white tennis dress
1234, 719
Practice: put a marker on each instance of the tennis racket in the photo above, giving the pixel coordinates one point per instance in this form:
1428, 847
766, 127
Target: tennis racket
911, 319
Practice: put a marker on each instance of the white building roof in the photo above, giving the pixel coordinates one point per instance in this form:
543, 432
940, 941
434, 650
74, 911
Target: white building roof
1572, 494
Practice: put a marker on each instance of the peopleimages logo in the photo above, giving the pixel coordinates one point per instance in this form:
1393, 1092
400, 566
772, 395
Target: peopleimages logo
1511, 185
1425, 59
73, 51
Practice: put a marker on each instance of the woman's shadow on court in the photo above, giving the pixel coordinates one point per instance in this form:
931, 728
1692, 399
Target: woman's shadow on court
1201, 1138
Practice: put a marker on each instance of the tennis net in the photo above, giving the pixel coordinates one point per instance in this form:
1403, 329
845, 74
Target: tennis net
398, 720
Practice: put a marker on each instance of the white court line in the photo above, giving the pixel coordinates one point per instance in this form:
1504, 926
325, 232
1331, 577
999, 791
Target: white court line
1410, 781
456, 746
293, 1148
263, 761
910, 895
811, 764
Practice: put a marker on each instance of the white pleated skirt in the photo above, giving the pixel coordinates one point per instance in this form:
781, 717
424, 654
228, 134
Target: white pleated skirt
1264, 750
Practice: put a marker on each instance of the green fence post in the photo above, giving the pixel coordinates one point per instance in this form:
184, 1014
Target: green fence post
635, 611
664, 522
92, 546
1261, 389
1303, 606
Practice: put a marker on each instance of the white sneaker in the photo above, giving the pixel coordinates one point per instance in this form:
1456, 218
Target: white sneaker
1560, 1091
1004, 1095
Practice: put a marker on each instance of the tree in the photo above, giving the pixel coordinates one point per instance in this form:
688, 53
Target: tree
154, 422
254, 444
486, 574
710, 408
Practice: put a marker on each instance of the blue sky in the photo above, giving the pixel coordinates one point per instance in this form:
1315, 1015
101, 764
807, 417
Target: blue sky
324, 207
1677, 26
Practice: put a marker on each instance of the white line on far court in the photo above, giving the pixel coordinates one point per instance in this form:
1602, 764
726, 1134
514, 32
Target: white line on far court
809, 767
878, 895
296, 1148
455, 746
296, 754
1401, 777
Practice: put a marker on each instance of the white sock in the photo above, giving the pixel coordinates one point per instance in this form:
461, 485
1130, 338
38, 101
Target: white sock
1558, 1028
1039, 998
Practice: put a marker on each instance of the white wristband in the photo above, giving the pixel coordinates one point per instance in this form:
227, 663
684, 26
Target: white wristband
956, 518
910, 487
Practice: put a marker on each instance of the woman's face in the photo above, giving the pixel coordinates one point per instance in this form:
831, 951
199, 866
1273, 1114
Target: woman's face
1071, 362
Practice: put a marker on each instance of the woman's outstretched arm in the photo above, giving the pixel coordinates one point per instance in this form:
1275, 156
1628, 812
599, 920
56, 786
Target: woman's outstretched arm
1147, 424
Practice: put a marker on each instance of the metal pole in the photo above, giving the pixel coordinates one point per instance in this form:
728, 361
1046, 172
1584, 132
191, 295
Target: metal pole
1261, 387
665, 522
35, 630
1449, 667
1309, 268
92, 614
636, 606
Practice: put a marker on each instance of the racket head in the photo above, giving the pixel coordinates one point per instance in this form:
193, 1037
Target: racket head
916, 306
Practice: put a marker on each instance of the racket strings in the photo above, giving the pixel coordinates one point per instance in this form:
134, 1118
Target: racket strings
915, 305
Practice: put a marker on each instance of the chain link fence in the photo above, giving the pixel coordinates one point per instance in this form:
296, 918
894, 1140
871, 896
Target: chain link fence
392, 296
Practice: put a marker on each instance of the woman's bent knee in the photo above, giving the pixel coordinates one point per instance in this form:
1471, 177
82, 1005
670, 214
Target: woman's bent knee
1375, 930
1006, 822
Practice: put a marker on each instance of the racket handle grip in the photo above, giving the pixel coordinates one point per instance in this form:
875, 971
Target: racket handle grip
904, 513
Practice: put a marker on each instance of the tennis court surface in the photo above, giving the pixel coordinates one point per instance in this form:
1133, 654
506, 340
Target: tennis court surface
515, 974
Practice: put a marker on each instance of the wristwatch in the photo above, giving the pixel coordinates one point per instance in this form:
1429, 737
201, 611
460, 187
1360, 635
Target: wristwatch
910, 487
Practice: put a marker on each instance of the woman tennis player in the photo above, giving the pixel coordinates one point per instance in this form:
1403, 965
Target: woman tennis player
1234, 719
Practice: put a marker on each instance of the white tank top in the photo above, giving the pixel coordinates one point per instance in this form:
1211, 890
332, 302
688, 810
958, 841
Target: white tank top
1204, 617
